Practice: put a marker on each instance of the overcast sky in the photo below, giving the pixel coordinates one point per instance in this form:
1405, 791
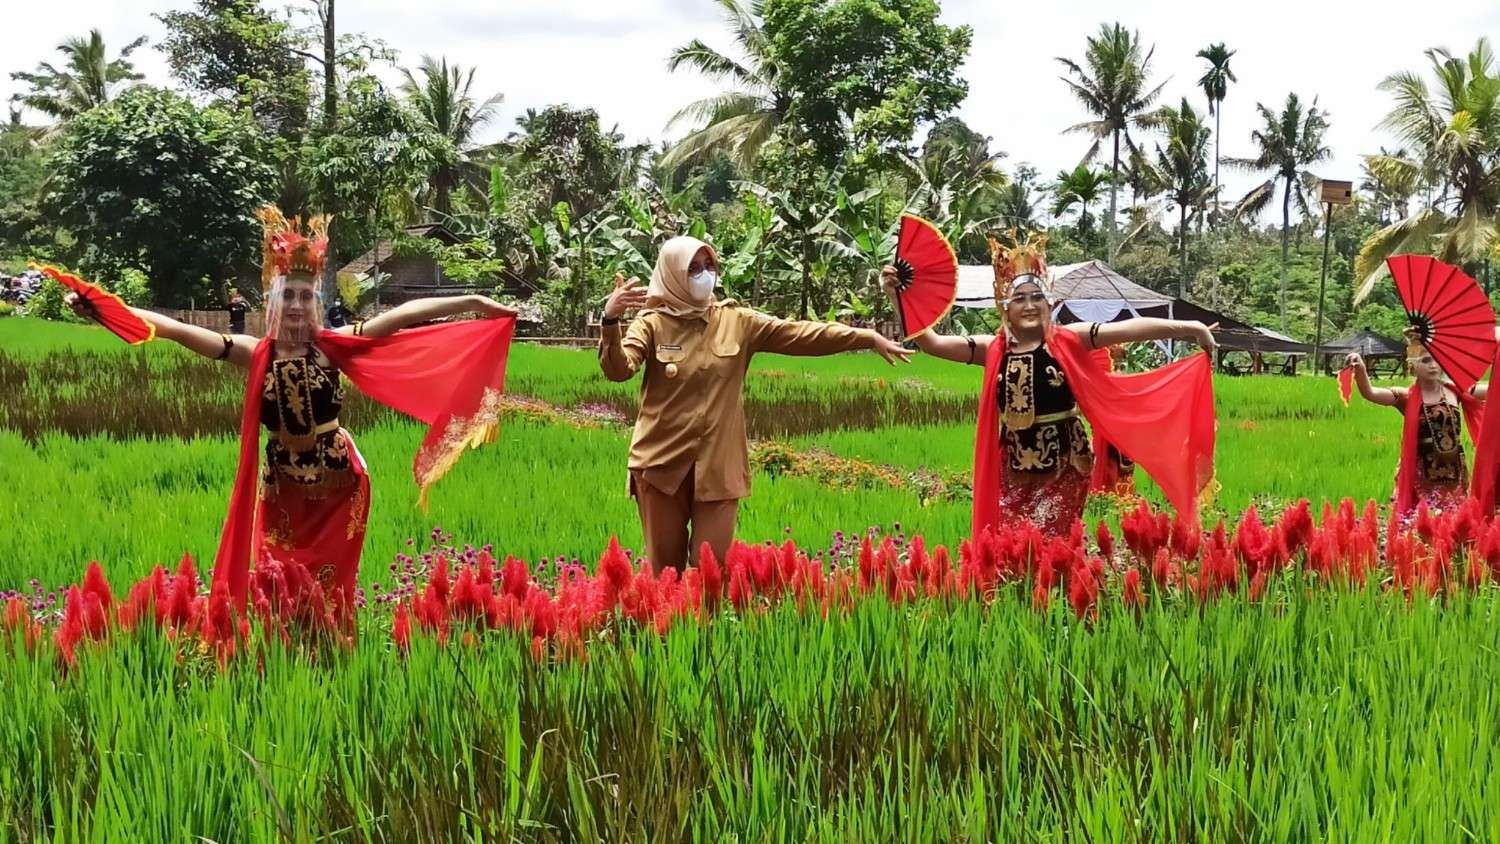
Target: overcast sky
611, 55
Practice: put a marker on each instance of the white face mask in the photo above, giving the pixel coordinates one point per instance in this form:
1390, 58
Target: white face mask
703, 284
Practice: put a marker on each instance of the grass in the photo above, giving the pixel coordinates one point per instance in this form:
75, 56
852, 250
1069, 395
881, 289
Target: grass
1328, 715
1327, 719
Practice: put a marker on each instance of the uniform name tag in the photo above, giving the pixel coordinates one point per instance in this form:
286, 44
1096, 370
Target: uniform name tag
668, 348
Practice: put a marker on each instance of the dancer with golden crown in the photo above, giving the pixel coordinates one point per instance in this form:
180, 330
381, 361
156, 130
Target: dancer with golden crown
1432, 469
313, 497
1032, 458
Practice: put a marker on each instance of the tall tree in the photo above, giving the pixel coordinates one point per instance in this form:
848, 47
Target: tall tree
1288, 143
1455, 133
1215, 84
87, 79
741, 120
1079, 188
864, 73
1183, 164
1113, 84
443, 96
153, 182
237, 49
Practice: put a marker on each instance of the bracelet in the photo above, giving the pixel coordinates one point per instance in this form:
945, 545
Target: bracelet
1094, 335
972, 349
228, 346
359, 328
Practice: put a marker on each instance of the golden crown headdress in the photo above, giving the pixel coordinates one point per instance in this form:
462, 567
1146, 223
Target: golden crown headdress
1025, 257
287, 246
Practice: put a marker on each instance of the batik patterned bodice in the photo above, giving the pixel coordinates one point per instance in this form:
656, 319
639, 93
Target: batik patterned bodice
300, 407
1040, 428
1440, 450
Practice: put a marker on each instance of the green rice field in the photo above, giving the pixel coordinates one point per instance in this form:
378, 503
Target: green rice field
1322, 714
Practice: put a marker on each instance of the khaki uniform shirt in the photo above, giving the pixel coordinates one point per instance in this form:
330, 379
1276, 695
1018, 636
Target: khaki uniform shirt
692, 415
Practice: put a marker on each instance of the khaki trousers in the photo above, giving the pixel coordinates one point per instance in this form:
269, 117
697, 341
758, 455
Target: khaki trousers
665, 518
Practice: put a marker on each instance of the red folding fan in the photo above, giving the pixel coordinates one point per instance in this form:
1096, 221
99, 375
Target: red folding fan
1451, 315
926, 275
109, 309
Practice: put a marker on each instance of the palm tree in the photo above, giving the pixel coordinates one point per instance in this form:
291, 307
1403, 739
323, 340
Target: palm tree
1215, 83
1115, 90
1016, 207
87, 80
1081, 187
1456, 134
1392, 187
442, 95
956, 181
738, 121
1183, 165
1288, 143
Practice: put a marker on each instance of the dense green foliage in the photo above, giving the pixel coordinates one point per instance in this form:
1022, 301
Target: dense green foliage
151, 181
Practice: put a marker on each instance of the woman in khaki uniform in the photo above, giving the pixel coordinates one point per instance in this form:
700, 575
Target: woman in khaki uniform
689, 458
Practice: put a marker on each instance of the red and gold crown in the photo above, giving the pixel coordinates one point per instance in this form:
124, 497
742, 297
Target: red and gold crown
1022, 257
289, 247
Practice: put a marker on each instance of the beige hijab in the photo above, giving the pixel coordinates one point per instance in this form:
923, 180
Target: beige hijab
670, 291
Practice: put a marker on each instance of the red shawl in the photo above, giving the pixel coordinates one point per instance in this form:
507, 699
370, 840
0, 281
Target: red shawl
449, 376
1163, 420
1106, 472
1406, 472
1487, 449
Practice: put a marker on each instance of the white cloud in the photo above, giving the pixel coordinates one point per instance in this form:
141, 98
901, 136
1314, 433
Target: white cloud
612, 56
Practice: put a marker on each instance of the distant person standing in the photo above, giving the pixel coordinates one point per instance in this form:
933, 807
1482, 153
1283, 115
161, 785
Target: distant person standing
238, 307
339, 314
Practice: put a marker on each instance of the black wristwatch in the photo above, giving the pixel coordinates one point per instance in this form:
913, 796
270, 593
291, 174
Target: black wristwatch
609, 320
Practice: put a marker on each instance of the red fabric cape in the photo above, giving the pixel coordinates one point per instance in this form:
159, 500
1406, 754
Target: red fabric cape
450, 376
1406, 472
1105, 475
1163, 420
1487, 449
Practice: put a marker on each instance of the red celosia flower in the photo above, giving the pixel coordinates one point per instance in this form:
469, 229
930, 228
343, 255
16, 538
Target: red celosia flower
868, 574
1130, 592
484, 568
515, 578
713, 576
1106, 541
614, 571
71, 631
1083, 591
740, 591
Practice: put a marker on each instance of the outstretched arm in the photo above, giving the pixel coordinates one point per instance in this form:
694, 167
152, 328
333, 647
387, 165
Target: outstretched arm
423, 310
1374, 395
209, 344
957, 349
1142, 329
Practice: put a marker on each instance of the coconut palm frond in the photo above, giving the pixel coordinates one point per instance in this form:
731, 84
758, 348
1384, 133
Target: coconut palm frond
1409, 235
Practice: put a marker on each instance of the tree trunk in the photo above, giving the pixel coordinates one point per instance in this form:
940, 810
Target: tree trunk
1286, 223
330, 69
330, 125
806, 271
1218, 113
1182, 230
1114, 202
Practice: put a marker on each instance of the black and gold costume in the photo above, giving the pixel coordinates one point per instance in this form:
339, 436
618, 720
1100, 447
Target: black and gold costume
1040, 426
300, 407
1440, 451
